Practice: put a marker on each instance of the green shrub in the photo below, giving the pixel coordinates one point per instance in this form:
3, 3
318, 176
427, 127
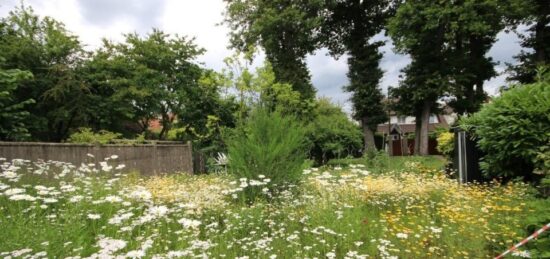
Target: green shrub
86, 135
446, 143
332, 134
267, 146
377, 159
513, 130
175, 134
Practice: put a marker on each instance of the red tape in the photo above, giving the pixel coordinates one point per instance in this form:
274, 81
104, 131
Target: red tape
516, 246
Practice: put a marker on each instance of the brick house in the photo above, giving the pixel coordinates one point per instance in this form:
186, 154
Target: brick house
400, 131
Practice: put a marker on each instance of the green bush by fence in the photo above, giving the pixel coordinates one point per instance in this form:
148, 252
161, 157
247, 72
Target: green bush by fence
514, 132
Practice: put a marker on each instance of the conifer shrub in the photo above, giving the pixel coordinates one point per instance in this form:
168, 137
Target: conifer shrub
266, 153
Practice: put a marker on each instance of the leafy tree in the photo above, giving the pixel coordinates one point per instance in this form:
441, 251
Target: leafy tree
45, 48
448, 42
332, 134
13, 116
419, 30
207, 114
472, 31
108, 74
536, 15
154, 75
164, 73
238, 77
275, 96
349, 27
261, 88
285, 29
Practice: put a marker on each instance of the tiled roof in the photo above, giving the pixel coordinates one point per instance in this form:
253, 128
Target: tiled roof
408, 128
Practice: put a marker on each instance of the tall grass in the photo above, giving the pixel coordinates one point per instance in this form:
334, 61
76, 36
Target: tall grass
380, 162
338, 213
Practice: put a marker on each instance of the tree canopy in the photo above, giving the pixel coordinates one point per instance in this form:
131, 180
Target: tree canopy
535, 14
13, 115
349, 28
46, 49
152, 86
286, 30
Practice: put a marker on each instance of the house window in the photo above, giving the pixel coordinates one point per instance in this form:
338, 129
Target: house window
433, 119
401, 119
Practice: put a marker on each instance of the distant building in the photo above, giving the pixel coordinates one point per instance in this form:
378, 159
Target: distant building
155, 124
399, 131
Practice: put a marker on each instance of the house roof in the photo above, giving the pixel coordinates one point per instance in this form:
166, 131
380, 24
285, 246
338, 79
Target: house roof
410, 128
156, 123
405, 128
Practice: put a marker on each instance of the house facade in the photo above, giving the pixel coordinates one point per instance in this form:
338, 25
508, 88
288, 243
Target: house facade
399, 132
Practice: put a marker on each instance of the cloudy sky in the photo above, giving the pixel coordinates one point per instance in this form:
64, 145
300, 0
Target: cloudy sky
92, 20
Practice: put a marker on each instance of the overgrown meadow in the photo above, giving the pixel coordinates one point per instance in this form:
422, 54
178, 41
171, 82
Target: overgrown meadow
55, 209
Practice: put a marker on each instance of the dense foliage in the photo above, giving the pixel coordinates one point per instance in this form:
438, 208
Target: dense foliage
119, 87
349, 27
446, 143
285, 30
514, 132
535, 14
268, 145
160, 76
448, 43
13, 116
331, 134
43, 47
87, 136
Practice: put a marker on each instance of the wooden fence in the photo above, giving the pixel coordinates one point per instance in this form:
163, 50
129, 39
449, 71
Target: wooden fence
148, 159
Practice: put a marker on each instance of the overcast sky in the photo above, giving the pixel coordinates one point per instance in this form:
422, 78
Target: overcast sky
93, 20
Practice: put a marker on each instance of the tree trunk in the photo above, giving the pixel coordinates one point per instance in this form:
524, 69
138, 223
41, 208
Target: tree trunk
418, 128
368, 135
424, 128
404, 145
476, 56
166, 123
540, 44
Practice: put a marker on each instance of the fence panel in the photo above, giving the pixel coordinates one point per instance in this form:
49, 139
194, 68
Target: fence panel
148, 159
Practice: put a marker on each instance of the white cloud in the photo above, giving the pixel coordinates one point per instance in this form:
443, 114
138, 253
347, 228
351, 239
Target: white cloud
199, 19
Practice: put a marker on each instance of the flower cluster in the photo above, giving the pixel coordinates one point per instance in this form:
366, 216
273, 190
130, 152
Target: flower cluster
96, 211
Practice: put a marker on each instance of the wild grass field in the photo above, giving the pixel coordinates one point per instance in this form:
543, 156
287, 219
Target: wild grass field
407, 209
